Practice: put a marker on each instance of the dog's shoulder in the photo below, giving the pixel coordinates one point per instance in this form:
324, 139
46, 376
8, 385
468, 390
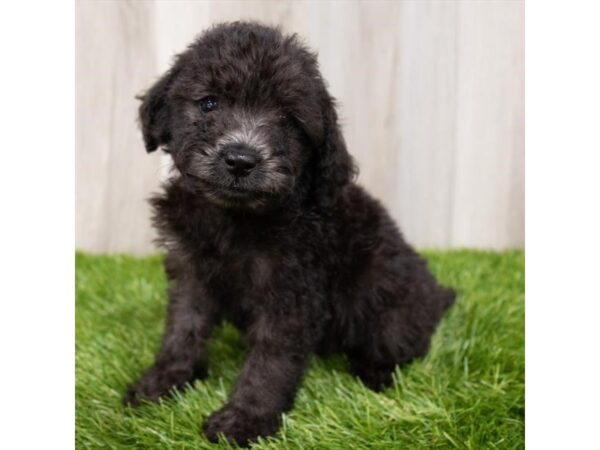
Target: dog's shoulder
180, 214
357, 208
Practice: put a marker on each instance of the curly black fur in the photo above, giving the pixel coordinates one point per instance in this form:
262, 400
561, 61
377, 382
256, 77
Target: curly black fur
292, 252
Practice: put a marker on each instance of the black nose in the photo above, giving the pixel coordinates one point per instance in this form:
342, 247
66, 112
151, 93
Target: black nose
239, 159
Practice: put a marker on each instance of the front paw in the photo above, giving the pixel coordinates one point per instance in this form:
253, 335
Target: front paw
156, 383
238, 426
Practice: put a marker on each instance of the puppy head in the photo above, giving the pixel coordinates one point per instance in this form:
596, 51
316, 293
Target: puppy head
248, 121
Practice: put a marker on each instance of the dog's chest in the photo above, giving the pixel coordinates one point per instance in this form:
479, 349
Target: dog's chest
236, 263
240, 282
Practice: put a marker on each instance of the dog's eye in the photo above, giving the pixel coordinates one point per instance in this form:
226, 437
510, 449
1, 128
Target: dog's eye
208, 103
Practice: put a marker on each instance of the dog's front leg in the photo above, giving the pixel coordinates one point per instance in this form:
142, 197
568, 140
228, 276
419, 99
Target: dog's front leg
266, 386
182, 357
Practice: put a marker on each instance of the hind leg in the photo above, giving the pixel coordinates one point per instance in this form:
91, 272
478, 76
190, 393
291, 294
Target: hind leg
393, 337
393, 316
374, 362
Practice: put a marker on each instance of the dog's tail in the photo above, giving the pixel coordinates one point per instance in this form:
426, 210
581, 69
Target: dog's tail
448, 297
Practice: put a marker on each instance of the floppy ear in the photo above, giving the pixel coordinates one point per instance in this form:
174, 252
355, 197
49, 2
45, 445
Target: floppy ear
155, 114
334, 166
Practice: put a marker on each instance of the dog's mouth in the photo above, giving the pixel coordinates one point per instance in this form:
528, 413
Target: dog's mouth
234, 188
237, 191
233, 193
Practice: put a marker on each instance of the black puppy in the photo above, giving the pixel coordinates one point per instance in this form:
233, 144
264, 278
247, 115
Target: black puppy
263, 227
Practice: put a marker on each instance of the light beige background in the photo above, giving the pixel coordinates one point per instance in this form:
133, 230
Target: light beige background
431, 95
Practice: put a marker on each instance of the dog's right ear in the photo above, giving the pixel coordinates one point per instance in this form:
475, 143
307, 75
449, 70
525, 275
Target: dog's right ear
155, 114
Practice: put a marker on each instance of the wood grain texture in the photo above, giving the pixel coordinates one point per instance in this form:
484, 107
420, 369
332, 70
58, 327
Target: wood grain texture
115, 59
431, 97
489, 126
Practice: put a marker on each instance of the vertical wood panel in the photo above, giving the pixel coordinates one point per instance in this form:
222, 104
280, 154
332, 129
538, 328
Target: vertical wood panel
92, 137
490, 141
114, 60
423, 121
430, 94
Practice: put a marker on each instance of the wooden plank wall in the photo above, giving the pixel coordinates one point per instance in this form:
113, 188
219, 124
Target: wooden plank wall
431, 95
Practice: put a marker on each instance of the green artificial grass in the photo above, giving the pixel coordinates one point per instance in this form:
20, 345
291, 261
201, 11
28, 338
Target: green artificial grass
467, 393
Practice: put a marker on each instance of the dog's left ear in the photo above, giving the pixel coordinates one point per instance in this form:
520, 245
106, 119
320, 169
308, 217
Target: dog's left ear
155, 114
334, 167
